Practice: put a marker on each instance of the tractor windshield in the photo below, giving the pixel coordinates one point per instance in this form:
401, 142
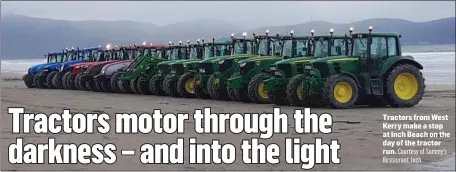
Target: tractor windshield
263, 46
177, 53
338, 47
168, 54
193, 52
279, 46
299, 50
321, 48
359, 47
242, 46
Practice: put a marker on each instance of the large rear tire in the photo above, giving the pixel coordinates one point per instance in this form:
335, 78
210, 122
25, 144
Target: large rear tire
404, 86
185, 85
28, 81
294, 91
169, 86
82, 82
216, 92
231, 94
58, 81
155, 86
71, 81
143, 85
256, 91
124, 86
49, 79
40, 80
98, 81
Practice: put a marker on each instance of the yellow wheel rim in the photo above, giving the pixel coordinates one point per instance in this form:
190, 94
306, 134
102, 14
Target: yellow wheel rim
299, 91
189, 85
406, 86
343, 92
261, 91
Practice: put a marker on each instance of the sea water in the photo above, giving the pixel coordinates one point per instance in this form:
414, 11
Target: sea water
438, 62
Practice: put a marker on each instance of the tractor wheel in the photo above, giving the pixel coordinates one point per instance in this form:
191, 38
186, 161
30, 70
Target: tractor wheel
216, 92
90, 84
114, 80
155, 86
295, 90
77, 82
184, 85
404, 86
143, 85
28, 81
124, 86
133, 86
256, 90
57, 80
200, 93
169, 86
241, 95
98, 82
49, 79
231, 94
71, 81
65, 80
340, 92
106, 86
82, 82
278, 97
40, 80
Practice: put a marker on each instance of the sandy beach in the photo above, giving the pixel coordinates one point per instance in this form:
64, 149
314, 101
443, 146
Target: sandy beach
359, 130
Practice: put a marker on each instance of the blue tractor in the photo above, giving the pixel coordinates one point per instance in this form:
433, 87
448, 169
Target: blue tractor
52, 58
77, 56
42, 79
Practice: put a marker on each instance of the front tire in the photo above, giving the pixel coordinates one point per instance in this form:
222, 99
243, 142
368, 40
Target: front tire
114, 80
294, 91
58, 81
169, 86
404, 86
124, 86
185, 85
40, 80
278, 97
133, 84
98, 82
49, 79
82, 82
155, 86
71, 81
215, 91
28, 81
256, 90
143, 85
340, 92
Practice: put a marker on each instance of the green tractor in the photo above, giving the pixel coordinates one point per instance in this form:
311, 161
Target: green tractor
179, 82
247, 84
177, 52
136, 79
285, 86
374, 73
213, 72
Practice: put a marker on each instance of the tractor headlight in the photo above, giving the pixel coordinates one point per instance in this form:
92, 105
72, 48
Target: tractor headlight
103, 71
185, 65
61, 68
221, 62
242, 64
272, 68
277, 73
308, 67
258, 63
147, 67
312, 72
77, 67
173, 71
202, 70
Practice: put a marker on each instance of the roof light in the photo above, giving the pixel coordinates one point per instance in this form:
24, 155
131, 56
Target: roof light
371, 28
108, 46
151, 44
351, 29
198, 40
312, 31
291, 32
267, 31
232, 34
144, 43
244, 34
331, 30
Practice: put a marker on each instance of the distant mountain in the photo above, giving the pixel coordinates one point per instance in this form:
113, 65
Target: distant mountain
28, 37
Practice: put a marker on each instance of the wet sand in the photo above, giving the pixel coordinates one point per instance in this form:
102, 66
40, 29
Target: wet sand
359, 130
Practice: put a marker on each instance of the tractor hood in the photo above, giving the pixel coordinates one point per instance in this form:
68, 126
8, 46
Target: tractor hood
52, 66
186, 61
36, 68
239, 56
78, 65
336, 59
71, 63
213, 59
295, 60
260, 58
167, 62
95, 68
96, 64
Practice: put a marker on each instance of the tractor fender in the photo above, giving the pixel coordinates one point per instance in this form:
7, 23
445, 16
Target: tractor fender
389, 65
351, 76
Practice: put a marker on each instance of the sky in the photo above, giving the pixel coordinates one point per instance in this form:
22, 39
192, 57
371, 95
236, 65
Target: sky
248, 14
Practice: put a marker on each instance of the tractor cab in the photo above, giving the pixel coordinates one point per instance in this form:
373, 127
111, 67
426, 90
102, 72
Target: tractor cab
266, 45
216, 49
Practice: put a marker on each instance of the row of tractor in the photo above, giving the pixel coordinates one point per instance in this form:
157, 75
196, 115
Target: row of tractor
337, 71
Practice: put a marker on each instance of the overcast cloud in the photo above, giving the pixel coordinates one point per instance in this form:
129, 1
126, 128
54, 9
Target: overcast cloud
249, 14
